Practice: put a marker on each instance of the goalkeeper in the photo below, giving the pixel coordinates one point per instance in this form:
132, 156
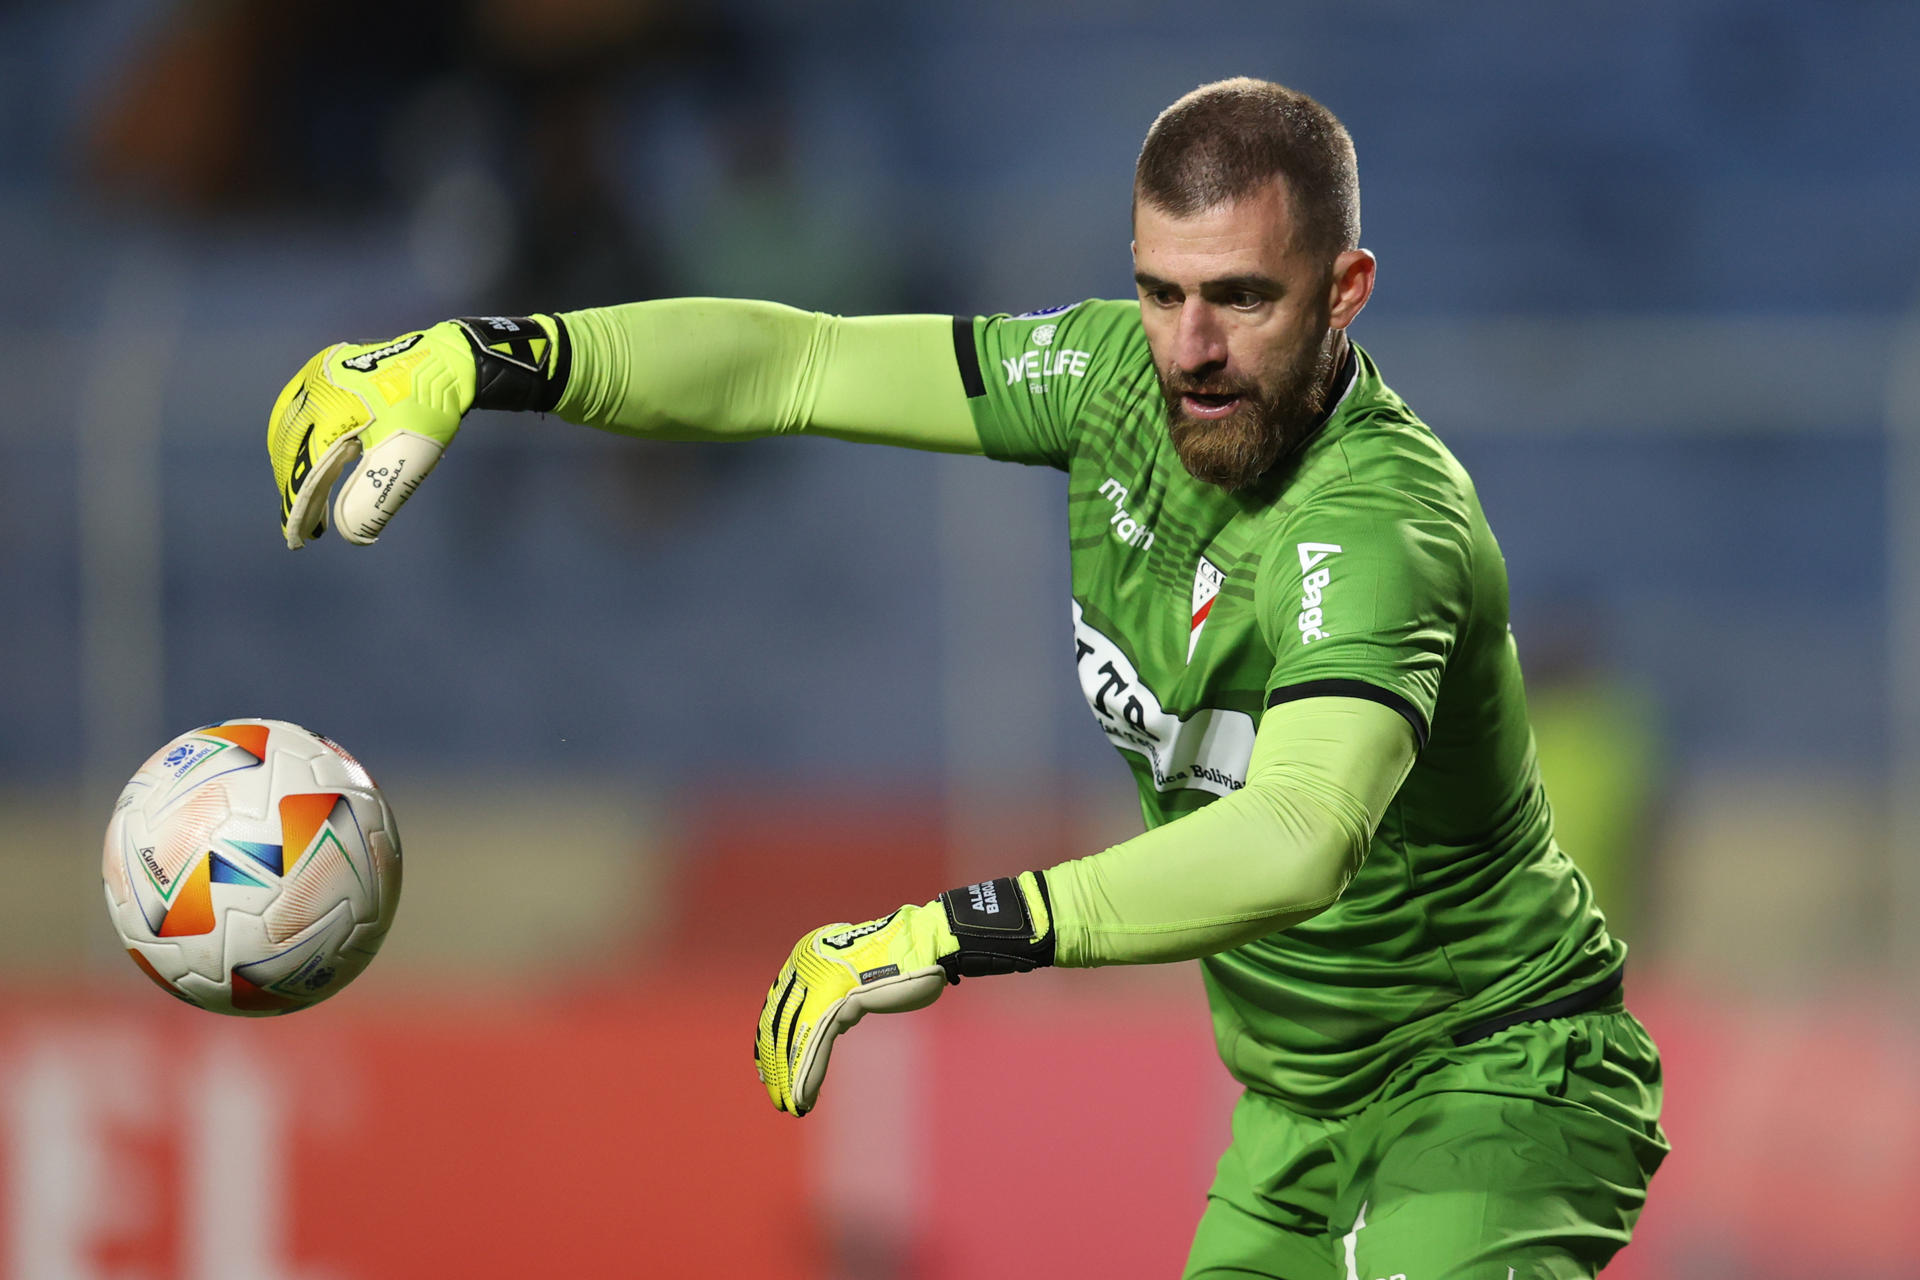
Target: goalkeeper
1290, 618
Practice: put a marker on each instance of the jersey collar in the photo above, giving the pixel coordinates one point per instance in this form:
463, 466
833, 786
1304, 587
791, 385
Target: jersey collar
1348, 378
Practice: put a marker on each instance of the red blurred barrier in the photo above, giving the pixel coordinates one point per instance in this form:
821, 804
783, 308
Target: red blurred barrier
1072, 1126
1796, 1133
1080, 1140
604, 1138
787, 863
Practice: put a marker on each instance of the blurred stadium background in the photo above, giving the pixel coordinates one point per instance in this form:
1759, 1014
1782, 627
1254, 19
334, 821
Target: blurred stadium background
646, 713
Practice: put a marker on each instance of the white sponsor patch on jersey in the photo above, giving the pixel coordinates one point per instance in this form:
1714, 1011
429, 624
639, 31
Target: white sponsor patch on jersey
1206, 585
1208, 751
1313, 588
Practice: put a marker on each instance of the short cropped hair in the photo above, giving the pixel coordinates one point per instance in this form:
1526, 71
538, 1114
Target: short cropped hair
1226, 140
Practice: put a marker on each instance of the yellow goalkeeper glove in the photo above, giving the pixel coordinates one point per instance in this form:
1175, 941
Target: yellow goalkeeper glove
839, 974
388, 410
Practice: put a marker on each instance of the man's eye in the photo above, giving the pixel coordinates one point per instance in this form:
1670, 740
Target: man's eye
1244, 301
1162, 297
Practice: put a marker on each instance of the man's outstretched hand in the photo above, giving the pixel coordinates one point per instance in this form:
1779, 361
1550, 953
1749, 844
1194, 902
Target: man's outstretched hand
836, 976
896, 964
385, 409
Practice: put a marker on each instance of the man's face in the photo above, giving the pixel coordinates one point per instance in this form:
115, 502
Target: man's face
1240, 319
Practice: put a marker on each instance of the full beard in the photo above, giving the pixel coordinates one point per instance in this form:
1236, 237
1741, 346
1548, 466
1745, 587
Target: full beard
1237, 449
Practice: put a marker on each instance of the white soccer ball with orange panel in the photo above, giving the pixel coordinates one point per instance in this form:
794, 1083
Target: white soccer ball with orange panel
252, 867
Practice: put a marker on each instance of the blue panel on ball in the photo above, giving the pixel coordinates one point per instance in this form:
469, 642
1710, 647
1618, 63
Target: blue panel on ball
267, 855
225, 872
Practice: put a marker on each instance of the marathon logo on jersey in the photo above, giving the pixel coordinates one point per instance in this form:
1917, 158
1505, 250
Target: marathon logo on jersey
1313, 588
367, 360
1206, 589
1129, 530
1207, 751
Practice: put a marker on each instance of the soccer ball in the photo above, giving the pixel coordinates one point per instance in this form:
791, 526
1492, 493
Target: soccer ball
252, 867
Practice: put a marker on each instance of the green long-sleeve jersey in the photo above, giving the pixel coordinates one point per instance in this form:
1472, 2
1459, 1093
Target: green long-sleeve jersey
1360, 572
1362, 566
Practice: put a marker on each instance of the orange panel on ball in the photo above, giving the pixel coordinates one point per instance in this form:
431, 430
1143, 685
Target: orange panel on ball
250, 738
192, 911
301, 818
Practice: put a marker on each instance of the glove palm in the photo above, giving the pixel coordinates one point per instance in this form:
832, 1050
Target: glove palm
836, 976
839, 974
393, 406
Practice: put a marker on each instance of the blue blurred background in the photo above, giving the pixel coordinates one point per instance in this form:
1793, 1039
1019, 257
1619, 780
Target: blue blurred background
1650, 269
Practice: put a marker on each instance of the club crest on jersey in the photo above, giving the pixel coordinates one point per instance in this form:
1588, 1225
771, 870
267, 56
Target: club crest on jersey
1206, 588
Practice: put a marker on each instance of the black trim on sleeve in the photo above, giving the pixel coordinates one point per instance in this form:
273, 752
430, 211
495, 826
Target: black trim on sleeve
968, 355
1355, 689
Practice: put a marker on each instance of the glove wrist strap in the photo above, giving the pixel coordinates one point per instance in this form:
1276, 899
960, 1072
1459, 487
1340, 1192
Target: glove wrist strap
516, 365
995, 928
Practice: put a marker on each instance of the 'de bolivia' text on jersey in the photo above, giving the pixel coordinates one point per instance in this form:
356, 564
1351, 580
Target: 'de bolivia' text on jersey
1361, 567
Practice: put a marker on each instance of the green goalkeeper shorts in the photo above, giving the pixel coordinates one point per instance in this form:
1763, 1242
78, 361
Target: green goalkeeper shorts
1526, 1154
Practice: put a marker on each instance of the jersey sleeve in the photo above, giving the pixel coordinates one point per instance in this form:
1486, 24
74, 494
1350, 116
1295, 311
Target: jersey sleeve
1365, 598
1028, 377
1275, 852
733, 369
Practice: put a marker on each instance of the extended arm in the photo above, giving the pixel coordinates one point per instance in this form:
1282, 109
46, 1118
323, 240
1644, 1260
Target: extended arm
722, 369
679, 369
1272, 854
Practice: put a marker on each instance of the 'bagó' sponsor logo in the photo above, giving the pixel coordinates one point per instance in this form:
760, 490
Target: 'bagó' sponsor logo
1313, 589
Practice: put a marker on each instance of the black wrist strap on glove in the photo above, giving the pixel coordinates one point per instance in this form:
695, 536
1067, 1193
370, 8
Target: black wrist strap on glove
996, 929
516, 366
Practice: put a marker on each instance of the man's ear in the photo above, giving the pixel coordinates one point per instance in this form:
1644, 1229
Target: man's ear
1352, 285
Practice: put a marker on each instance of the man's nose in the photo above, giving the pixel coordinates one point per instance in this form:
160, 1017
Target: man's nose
1199, 341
